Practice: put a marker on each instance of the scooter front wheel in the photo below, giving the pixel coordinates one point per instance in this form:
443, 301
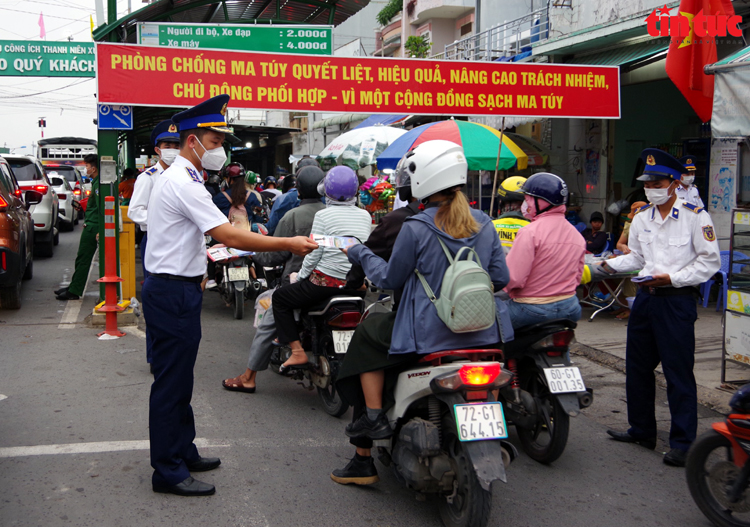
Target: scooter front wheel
545, 441
711, 473
332, 402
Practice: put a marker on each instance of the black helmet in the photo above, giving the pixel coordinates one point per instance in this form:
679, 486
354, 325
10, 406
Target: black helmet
740, 401
307, 181
288, 183
233, 170
549, 187
269, 180
307, 162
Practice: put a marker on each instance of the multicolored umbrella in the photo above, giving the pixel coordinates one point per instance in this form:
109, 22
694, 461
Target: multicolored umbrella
359, 147
480, 144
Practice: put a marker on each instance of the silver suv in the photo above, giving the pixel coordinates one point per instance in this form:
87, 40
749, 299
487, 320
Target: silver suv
31, 176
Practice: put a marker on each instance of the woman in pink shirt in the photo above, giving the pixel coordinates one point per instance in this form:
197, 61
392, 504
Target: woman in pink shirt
546, 260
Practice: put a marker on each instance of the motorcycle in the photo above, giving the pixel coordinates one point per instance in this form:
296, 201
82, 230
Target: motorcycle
326, 331
546, 389
718, 466
449, 432
234, 282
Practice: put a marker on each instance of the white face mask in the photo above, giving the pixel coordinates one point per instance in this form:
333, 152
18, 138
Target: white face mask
658, 196
688, 180
168, 155
525, 211
213, 159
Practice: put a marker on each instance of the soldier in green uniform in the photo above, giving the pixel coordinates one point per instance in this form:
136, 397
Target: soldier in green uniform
88, 244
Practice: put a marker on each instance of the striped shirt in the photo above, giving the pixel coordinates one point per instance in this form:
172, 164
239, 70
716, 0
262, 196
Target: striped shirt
337, 219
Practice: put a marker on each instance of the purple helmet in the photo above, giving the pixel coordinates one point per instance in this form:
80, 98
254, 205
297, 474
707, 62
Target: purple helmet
340, 184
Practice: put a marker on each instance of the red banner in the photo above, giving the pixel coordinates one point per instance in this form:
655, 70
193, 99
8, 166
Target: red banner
159, 76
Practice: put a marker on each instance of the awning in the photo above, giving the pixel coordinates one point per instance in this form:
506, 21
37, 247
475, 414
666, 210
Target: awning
622, 55
736, 60
343, 118
536, 152
731, 111
374, 120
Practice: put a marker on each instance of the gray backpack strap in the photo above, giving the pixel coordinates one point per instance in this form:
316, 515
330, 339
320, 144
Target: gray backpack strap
427, 288
446, 251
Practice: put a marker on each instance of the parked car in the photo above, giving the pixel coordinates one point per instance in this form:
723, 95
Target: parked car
67, 212
16, 236
31, 176
77, 178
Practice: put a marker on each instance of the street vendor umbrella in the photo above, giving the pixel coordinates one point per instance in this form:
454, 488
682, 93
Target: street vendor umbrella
480, 144
359, 147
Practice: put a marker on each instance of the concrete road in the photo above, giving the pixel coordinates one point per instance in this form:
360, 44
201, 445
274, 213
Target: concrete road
74, 439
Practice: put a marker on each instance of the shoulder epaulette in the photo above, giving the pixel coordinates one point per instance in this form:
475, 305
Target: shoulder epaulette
645, 207
693, 208
150, 170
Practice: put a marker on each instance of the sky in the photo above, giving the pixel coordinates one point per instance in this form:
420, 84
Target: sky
69, 103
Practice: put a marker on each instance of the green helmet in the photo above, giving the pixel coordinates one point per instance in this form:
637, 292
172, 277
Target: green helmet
251, 177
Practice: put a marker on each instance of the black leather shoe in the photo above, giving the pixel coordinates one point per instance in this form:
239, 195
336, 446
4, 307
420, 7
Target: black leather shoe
67, 295
61, 290
204, 464
675, 458
364, 427
358, 471
627, 438
188, 487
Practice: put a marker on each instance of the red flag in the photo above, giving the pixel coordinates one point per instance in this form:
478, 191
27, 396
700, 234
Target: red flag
687, 56
42, 32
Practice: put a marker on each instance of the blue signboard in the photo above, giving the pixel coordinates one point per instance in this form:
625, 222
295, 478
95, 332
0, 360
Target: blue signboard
113, 117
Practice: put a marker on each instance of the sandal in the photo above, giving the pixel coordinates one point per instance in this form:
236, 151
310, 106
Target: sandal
624, 315
289, 370
235, 385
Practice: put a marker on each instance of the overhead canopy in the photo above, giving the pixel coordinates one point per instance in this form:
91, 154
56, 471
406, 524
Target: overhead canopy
624, 56
343, 118
731, 111
381, 119
330, 12
66, 141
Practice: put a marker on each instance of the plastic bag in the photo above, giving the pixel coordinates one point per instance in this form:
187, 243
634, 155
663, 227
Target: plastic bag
262, 304
615, 207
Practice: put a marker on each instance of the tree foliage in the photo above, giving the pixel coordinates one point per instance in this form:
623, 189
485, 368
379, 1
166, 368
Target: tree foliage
392, 8
418, 47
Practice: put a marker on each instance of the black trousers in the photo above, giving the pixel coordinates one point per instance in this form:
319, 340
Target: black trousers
300, 295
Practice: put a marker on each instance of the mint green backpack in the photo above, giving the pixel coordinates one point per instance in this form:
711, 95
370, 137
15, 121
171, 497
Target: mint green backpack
467, 301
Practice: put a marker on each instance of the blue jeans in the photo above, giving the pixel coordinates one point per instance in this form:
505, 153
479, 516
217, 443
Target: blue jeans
528, 314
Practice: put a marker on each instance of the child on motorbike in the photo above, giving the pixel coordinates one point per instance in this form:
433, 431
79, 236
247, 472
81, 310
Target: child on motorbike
385, 344
323, 272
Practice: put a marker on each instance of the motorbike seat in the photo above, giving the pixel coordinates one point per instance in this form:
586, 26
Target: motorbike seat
562, 323
322, 307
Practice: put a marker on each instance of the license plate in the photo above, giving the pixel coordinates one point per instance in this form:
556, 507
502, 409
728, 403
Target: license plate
480, 421
341, 340
564, 380
238, 273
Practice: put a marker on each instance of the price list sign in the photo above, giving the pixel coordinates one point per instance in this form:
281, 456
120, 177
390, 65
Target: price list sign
311, 40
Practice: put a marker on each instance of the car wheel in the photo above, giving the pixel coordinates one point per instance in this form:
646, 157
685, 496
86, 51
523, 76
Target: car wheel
66, 226
28, 273
43, 244
10, 297
76, 215
56, 235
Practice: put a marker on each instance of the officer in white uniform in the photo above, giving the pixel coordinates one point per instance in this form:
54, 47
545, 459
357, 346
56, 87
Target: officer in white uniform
687, 191
166, 143
674, 243
182, 209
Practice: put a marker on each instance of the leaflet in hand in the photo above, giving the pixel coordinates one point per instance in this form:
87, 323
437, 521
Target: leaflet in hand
640, 279
218, 254
338, 242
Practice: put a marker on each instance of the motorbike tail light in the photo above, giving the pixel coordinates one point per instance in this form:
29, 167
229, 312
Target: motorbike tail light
472, 376
3, 208
88, 192
347, 319
2, 259
77, 192
560, 339
18, 192
42, 189
479, 375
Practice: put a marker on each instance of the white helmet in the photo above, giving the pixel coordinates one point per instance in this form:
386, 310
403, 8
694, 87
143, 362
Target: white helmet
434, 166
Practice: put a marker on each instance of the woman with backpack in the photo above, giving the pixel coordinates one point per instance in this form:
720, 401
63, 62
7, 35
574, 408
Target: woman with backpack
430, 243
239, 202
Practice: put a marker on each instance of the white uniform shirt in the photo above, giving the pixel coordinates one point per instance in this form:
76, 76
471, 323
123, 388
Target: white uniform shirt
138, 207
180, 210
682, 245
690, 194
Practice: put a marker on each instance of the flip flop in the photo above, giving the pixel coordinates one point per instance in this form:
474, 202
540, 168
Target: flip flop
238, 388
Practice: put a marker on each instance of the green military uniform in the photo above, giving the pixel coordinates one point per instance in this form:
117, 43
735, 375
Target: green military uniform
507, 226
87, 246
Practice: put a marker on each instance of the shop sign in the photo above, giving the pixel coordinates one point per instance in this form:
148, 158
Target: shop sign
22, 58
307, 83
313, 40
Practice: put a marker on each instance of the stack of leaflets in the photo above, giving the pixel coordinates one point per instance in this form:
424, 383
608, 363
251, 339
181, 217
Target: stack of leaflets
218, 254
338, 242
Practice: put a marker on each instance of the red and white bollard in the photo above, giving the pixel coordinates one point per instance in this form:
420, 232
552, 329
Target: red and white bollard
110, 278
